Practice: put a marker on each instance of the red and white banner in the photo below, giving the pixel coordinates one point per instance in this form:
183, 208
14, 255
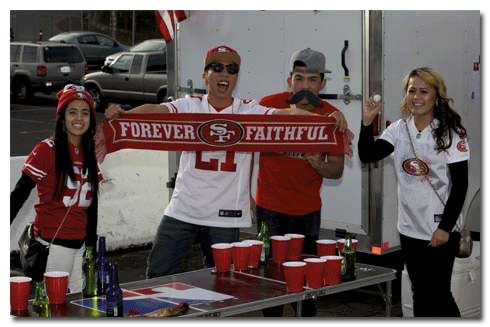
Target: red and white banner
166, 20
221, 132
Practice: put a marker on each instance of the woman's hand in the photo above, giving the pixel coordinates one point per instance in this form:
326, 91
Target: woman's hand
439, 238
371, 109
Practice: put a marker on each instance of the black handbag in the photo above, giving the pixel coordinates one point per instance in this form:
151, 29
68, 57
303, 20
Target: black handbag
33, 254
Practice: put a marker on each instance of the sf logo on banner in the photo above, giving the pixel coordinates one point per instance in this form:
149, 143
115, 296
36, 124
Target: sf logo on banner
220, 132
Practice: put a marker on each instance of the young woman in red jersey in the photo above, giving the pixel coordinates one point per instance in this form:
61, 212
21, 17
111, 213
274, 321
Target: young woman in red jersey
64, 168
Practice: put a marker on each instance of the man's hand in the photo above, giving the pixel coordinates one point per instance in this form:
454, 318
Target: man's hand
314, 159
113, 112
253, 208
341, 122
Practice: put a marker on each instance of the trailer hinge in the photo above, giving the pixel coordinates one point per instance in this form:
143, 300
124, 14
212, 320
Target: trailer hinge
189, 89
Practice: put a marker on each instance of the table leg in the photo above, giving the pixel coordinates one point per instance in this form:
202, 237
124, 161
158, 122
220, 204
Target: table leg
299, 308
388, 298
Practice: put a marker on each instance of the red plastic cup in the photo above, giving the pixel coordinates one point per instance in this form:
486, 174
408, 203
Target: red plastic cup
56, 286
315, 270
294, 274
19, 293
222, 256
341, 243
325, 247
241, 255
333, 269
255, 252
280, 246
295, 246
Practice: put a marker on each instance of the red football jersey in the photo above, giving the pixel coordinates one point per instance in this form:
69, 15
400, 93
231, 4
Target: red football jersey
40, 166
286, 182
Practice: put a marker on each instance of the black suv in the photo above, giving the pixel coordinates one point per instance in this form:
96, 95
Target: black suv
43, 66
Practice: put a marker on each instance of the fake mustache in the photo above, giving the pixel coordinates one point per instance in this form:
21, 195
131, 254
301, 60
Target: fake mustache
312, 99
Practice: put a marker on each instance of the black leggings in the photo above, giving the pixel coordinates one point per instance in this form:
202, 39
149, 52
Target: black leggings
430, 270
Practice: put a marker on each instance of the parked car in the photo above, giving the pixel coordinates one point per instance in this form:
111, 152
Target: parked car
147, 45
43, 66
134, 77
95, 47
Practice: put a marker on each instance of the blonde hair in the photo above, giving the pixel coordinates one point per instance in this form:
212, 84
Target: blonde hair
449, 119
434, 79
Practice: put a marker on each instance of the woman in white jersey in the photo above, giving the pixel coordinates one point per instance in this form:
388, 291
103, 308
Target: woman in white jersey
211, 199
428, 235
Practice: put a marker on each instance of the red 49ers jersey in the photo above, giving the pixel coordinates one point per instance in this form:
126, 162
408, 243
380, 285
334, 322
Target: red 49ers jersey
213, 187
40, 166
286, 182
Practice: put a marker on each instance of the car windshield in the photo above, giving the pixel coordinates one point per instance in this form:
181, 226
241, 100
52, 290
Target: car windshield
147, 46
62, 54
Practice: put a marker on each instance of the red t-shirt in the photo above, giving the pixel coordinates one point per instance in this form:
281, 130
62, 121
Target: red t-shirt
40, 166
286, 182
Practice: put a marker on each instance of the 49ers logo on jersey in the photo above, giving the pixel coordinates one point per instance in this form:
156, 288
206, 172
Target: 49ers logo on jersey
415, 167
462, 146
220, 132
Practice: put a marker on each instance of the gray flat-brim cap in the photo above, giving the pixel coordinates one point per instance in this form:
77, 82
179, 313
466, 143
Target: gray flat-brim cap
314, 61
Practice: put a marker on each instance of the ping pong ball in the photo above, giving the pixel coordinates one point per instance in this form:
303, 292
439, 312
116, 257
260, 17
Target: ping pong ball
377, 98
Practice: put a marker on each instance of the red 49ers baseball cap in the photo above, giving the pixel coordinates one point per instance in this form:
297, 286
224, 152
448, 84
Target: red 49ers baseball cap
221, 52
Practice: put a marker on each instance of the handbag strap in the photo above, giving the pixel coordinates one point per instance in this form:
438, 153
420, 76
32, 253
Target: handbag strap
428, 180
72, 202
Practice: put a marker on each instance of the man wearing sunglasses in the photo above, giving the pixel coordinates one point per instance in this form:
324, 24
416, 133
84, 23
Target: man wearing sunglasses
207, 181
288, 184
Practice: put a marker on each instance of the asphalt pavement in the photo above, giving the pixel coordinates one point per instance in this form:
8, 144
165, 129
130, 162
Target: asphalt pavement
33, 122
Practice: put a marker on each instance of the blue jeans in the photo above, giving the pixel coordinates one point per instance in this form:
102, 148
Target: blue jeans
174, 239
280, 224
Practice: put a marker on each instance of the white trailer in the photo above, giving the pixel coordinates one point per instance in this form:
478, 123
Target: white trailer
367, 52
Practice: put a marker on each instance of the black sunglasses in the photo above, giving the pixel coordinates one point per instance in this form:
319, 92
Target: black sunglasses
231, 68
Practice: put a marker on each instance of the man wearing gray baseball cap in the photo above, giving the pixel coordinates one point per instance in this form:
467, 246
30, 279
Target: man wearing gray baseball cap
288, 184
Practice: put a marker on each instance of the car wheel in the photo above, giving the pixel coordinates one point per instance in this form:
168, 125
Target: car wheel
162, 96
22, 90
99, 102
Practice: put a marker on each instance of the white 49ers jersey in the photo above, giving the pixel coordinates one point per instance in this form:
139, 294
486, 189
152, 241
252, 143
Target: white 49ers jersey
419, 208
213, 187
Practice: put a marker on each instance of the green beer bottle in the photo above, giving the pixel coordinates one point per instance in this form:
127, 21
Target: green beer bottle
349, 260
89, 274
41, 302
266, 247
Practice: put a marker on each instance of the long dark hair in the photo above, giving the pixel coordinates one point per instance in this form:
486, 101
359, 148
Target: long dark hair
450, 120
63, 164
